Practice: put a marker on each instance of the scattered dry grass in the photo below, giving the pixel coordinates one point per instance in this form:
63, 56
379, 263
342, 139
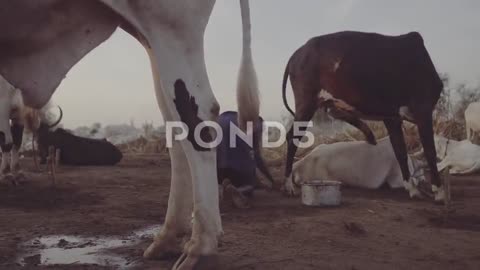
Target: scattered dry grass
143, 145
451, 128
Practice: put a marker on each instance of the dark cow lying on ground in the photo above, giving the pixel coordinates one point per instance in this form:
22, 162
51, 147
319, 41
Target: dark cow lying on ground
356, 75
238, 162
75, 150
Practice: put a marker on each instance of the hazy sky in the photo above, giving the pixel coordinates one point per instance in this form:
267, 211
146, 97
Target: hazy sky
113, 84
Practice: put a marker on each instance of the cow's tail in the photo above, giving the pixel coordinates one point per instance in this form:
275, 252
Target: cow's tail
248, 99
34, 153
284, 88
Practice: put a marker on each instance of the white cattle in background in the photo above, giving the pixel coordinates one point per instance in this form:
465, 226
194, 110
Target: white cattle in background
472, 120
11, 129
357, 164
461, 157
14, 118
50, 36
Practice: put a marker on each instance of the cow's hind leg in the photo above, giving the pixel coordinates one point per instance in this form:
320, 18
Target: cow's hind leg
303, 114
363, 127
354, 121
5, 173
180, 206
4, 166
394, 128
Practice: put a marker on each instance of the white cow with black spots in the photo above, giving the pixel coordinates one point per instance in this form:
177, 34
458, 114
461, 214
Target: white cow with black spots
11, 130
51, 36
15, 117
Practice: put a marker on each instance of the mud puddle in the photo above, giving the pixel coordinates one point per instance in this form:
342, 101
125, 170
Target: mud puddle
71, 250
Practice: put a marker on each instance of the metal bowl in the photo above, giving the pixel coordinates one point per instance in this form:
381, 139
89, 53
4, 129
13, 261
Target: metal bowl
321, 193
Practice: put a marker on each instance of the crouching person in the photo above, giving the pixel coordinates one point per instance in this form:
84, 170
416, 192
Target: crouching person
237, 162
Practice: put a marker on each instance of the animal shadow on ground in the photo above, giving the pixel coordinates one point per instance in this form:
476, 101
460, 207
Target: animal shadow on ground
34, 197
458, 222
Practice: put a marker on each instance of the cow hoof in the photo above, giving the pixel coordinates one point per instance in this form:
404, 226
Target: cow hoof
163, 249
8, 177
293, 192
289, 192
416, 181
289, 188
412, 189
439, 193
221, 190
14, 181
372, 140
236, 197
20, 176
197, 262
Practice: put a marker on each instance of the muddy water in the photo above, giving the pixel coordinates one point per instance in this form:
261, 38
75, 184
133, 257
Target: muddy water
68, 250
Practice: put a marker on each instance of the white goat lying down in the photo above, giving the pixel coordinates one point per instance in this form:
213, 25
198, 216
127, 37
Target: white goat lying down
463, 157
356, 164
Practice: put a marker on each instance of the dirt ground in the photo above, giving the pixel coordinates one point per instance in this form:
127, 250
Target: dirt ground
380, 229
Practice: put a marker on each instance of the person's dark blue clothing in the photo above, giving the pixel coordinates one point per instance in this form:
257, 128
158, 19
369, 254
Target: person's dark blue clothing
238, 163
240, 157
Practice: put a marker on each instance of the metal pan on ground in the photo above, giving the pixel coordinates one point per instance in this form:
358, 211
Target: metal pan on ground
321, 193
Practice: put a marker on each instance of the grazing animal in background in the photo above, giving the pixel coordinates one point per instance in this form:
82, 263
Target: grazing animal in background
75, 150
461, 157
235, 161
472, 120
58, 34
356, 164
357, 75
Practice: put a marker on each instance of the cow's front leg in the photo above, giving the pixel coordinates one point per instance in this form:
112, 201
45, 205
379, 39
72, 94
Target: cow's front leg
180, 206
4, 166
